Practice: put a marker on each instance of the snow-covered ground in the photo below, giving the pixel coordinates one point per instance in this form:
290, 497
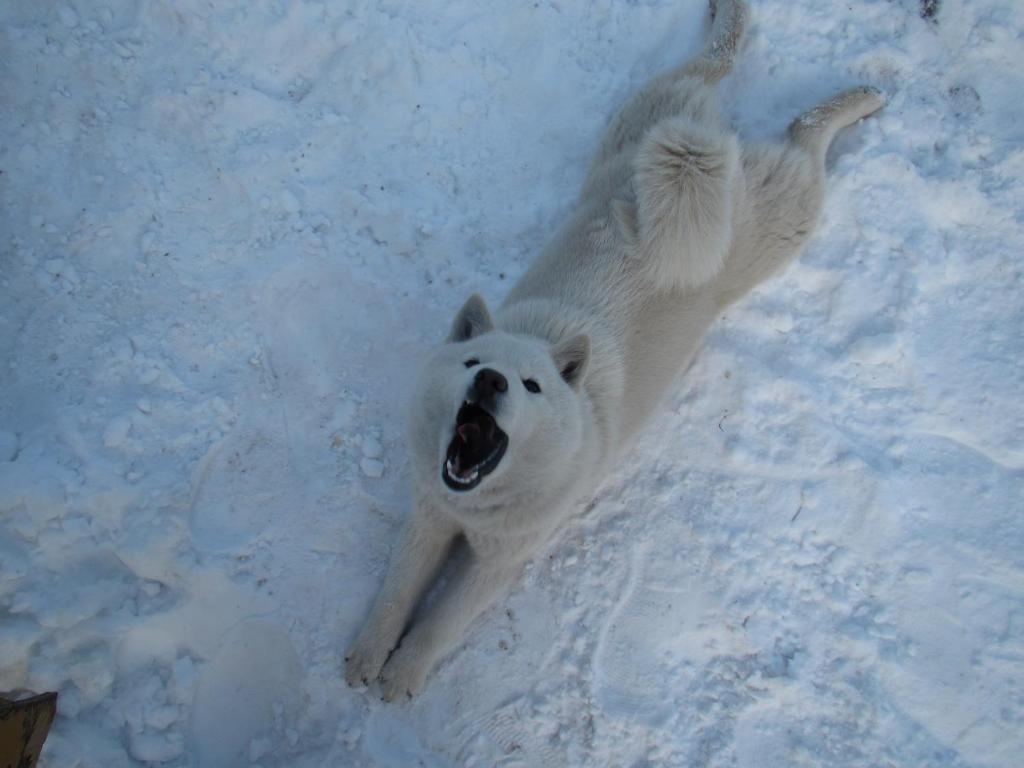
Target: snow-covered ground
228, 229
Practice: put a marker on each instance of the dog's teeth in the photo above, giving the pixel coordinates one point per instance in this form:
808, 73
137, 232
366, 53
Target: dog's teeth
457, 477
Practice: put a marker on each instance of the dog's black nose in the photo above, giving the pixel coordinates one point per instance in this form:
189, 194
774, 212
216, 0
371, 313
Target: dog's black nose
488, 382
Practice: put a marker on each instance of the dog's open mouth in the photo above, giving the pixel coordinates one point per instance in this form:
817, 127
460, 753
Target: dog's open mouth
475, 450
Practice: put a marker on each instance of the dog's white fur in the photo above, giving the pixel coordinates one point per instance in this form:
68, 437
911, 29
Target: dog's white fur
675, 221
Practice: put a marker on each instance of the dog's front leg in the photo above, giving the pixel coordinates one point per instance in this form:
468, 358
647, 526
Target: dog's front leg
472, 588
423, 546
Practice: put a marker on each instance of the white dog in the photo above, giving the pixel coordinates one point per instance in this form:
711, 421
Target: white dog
522, 413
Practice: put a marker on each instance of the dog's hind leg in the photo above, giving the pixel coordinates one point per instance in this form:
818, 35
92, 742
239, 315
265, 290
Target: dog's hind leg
784, 190
681, 92
815, 129
729, 20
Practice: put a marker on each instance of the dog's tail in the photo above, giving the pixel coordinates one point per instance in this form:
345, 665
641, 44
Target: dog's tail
684, 178
815, 129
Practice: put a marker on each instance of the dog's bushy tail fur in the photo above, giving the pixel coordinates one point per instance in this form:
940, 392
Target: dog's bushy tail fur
683, 177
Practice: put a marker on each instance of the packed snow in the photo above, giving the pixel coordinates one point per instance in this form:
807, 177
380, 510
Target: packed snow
230, 229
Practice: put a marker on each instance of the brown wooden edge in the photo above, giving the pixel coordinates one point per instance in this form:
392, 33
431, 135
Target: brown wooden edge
24, 725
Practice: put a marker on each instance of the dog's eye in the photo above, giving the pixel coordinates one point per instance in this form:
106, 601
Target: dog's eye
471, 362
531, 385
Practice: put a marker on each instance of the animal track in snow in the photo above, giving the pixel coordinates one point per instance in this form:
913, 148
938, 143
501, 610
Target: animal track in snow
653, 631
240, 489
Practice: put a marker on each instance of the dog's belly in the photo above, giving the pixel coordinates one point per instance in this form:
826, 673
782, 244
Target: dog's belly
663, 337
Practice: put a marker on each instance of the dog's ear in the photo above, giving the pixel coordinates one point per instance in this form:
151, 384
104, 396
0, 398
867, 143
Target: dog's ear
571, 358
472, 320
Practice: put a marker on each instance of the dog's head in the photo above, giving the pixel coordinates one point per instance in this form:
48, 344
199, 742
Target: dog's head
497, 413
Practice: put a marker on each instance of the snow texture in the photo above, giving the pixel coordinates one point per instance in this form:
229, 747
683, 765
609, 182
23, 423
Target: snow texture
229, 229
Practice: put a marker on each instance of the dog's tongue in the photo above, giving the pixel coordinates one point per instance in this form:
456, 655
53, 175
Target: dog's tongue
472, 445
468, 432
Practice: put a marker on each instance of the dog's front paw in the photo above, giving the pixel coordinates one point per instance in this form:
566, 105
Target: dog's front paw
404, 674
364, 660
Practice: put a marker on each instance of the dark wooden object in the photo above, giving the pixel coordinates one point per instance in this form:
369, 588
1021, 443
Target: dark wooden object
23, 728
